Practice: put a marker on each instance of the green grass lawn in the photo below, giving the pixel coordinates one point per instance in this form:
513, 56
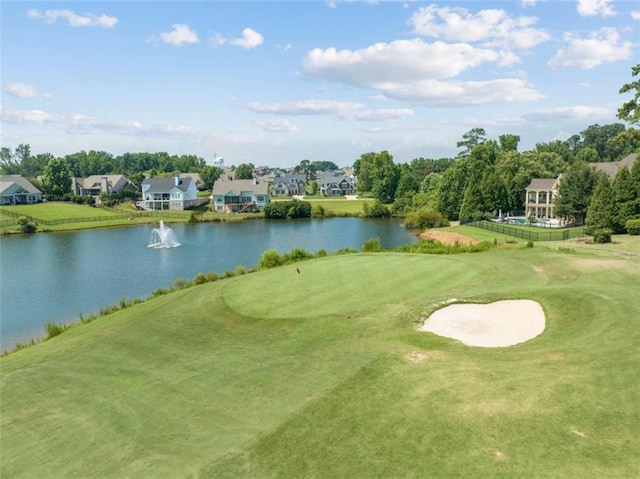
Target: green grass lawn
280, 375
341, 206
56, 210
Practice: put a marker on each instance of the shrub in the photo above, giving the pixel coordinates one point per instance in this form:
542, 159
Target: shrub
270, 259
298, 254
212, 276
529, 244
240, 269
377, 210
372, 245
321, 253
200, 279
26, 226
180, 283
425, 218
602, 235
633, 226
229, 273
287, 210
53, 329
317, 211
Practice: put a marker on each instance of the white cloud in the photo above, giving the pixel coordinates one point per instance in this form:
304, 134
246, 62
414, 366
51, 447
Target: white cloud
413, 71
250, 39
378, 115
593, 8
635, 14
306, 107
341, 109
529, 3
461, 93
490, 28
22, 90
603, 46
27, 116
74, 20
399, 60
76, 123
179, 34
579, 112
276, 125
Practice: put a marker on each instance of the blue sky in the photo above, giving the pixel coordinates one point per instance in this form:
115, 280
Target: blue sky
274, 83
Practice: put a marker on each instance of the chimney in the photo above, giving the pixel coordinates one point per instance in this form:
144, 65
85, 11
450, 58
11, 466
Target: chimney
178, 180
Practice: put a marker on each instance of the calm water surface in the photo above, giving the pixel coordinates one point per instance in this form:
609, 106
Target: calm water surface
56, 276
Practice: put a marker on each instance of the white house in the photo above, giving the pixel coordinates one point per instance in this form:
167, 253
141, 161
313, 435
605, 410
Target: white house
169, 194
240, 196
540, 195
16, 190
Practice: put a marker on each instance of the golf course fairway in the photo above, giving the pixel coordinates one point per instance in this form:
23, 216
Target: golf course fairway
324, 374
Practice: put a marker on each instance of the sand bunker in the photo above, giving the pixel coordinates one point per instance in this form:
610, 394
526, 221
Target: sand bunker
494, 325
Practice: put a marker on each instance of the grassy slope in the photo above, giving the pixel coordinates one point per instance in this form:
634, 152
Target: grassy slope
279, 375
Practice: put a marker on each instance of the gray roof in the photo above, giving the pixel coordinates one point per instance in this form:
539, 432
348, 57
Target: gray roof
239, 186
7, 180
542, 184
611, 167
163, 185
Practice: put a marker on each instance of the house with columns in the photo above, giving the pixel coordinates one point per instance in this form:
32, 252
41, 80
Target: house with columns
539, 197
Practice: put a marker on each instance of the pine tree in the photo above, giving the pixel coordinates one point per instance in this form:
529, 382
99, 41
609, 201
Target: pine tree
602, 209
625, 198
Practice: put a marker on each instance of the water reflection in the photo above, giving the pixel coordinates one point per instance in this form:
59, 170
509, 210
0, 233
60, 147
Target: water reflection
57, 276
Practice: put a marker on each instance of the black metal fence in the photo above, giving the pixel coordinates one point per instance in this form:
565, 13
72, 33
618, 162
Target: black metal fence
533, 235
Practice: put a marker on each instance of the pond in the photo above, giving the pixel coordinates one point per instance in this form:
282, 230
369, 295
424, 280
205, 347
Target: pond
56, 277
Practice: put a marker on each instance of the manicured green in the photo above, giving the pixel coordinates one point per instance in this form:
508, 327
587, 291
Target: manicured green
56, 210
277, 374
341, 207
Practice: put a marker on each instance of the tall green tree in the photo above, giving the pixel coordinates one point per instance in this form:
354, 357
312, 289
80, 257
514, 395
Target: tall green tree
56, 179
630, 110
588, 155
626, 199
509, 142
574, 192
598, 137
451, 190
602, 208
8, 163
386, 177
210, 174
472, 206
471, 139
244, 171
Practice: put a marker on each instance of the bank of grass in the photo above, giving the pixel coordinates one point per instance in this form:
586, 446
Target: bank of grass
337, 206
313, 374
72, 216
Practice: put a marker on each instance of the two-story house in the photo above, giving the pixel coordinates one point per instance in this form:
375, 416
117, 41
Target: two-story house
175, 193
539, 196
335, 183
240, 196
96, 184
289, 185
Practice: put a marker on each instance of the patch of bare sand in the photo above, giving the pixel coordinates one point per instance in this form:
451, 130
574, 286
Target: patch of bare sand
493, 325
448, 237
418, 357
